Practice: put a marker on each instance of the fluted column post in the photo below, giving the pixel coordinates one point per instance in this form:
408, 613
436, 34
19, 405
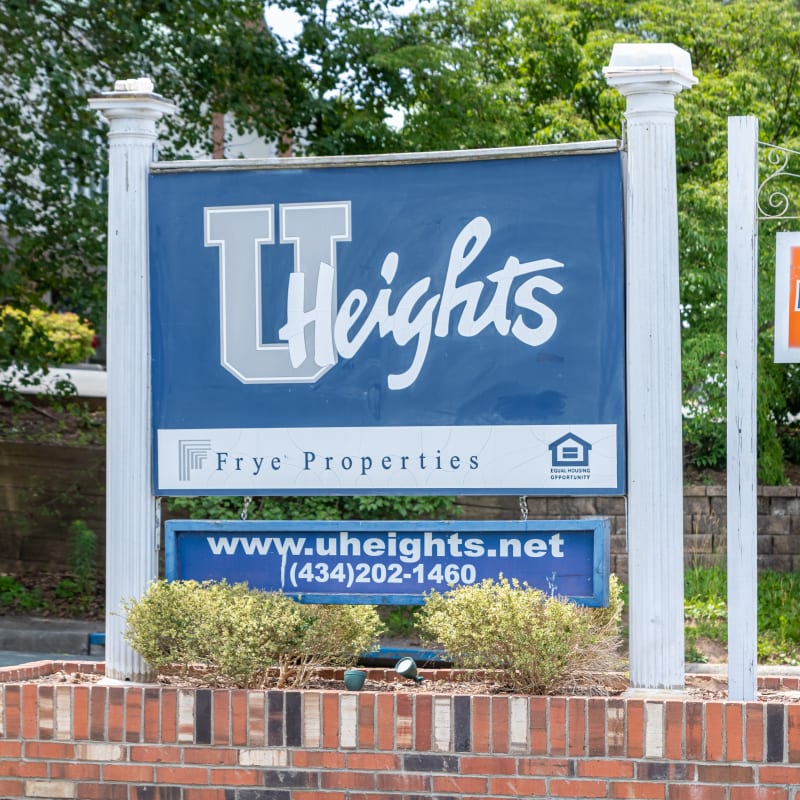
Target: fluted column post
649, 76
131, 537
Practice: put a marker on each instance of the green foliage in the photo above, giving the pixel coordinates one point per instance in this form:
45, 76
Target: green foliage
540, 644
14, 595
323, 508
242, 636
706, 612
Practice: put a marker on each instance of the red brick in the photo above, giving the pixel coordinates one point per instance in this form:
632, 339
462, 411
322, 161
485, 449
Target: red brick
715, 731
10, 749
182, 775
634, 722
327, 759
596, 726
517, 787
459, 784
605, 768
211, 756
486, 765
74, 772
128, 773
779, 774
576, 713
544, 767
11, 789
203, 794
423, 716
80, 713
330, 719
115, 714
389, 724
754, 732
557, 726
98, 696
238, 718
49, 750
102, 791
696, 791
11, 703
499, 724
638, 790
734, 731
758, 793
375, 761
538, 731
673, 728
481, 724
347, 780
234, 777
727, 773
156, 755
366, 720
572, 788
793, 732
300, 795
23, 769
694, 731
221, 714
169, 716
30, 706
134, 700
400, 782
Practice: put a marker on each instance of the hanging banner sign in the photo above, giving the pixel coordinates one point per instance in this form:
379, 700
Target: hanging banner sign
787, 298
392, 562
445, 327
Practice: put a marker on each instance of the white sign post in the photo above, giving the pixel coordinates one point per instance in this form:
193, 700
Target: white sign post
649, 76
131, 536
741, 386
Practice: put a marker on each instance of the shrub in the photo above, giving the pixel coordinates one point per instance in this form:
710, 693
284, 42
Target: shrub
243, 636
59, 338
540, 644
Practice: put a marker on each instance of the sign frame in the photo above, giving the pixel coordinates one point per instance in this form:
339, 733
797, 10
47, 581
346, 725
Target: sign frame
194, 450
593, 566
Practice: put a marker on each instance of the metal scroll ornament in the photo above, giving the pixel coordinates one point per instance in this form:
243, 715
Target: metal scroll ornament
777, 195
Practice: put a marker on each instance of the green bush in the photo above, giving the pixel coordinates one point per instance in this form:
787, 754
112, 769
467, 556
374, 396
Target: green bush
540, 644
58, 338
242, 637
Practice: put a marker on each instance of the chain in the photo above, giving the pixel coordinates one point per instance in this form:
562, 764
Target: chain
246, 506
523, 507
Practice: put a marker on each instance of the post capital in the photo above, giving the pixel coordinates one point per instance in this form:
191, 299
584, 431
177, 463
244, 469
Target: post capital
133, 98
638, 68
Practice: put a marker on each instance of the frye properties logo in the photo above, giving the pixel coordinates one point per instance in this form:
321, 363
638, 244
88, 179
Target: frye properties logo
192, 453
319, 330
569, 456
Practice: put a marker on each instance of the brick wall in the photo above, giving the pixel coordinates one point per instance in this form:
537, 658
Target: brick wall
158, 743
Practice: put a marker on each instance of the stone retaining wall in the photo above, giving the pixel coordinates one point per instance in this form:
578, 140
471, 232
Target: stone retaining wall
43, 488
160, 743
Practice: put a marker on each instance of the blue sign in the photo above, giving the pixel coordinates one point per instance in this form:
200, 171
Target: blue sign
449, 327
392, 562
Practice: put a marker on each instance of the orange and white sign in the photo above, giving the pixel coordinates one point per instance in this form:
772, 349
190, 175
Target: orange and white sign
787, 298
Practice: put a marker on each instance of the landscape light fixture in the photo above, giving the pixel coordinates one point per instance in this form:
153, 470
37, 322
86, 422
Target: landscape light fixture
406, 667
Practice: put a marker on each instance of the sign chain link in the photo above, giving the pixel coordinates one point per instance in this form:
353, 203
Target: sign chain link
245, 507
523, 507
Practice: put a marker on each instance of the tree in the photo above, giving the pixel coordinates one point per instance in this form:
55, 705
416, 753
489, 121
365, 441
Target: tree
205, 56
506, 72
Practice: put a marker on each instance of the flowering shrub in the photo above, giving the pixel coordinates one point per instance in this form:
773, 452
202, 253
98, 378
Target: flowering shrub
242, 636
540, 644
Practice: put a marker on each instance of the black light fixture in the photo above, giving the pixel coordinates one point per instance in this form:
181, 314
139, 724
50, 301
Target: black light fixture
406, 667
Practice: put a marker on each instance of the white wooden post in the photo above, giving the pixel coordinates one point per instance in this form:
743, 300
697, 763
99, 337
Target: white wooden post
742, 382
131, 544
649, 76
